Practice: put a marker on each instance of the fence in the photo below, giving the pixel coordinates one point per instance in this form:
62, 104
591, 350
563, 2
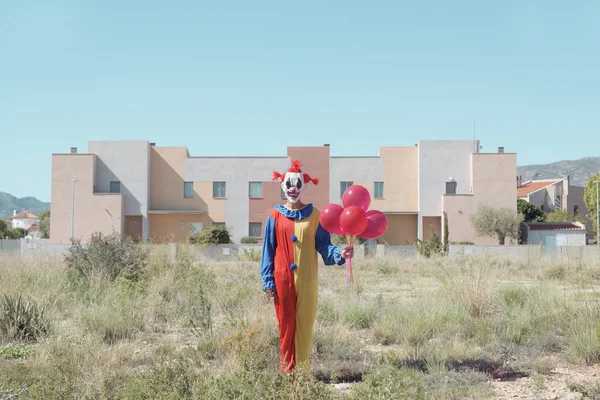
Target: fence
249, 252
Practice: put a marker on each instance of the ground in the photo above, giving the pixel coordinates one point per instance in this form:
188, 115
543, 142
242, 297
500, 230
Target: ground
439, 328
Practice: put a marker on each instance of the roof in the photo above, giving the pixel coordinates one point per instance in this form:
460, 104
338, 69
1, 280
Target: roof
555, 226
533, 186
24, 214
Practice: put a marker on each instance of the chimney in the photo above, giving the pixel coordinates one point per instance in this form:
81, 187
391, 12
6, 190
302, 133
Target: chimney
326, 145
152, 144
501, 149
14, 212
519, 181
73, 150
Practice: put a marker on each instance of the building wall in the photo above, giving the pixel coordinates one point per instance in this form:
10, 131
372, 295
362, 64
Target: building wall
237, 172
493, 184
400, 179
359, 170
576, 198
402, 230
438, 161
169, 228
125, 161
259, 209
24, 223
93, 212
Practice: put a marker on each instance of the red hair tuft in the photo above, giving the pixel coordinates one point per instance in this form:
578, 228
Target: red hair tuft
277, 175
307, 179
295, 166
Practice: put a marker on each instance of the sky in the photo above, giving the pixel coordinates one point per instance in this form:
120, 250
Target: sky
230, 78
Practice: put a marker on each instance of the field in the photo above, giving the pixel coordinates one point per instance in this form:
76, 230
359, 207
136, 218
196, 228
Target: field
123, 323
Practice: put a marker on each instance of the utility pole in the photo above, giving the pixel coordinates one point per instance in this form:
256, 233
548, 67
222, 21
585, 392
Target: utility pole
73, 209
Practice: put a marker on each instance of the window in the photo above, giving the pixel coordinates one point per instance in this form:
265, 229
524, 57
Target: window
196, 227
219, 189
344, 186
255, 229
378, 190
575, 210
188, 190
115, 187
218, 223
451, 187
256, 190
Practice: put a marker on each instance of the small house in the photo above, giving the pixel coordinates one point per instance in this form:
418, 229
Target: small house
555, 233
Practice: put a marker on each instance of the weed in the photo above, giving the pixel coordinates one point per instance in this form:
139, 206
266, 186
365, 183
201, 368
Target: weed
22, 319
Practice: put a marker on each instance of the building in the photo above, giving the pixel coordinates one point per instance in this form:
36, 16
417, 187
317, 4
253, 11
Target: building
552, 195
555, 233
24, 220
158, 193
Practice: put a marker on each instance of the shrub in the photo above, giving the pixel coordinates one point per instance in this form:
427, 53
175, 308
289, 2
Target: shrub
249, 240
215, 234
430, 247
109, 256
339, 240
22, 320
15, 351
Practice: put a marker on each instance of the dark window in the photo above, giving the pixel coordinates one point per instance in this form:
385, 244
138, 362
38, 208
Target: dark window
188, 190
450, 187
575, 210
115, 187
255, 229
344, 186
219, 189
378, 190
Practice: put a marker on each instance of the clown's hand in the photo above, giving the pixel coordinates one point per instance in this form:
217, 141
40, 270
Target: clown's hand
348, 252
270, 293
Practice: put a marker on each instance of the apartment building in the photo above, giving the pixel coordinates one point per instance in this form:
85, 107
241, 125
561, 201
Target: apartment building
145, 191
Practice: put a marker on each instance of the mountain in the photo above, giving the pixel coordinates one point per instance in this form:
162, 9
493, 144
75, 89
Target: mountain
9, 203
579, 171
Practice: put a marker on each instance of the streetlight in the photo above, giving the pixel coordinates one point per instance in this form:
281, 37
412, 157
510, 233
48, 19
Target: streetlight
73, 209
597, 216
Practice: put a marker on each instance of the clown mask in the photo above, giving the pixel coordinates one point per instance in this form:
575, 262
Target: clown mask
293, 186
293, 182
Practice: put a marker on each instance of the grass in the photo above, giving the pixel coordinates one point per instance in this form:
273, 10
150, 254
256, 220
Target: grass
437, 328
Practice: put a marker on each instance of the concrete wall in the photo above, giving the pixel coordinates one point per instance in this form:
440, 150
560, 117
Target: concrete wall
316, 163
400, 179
493, 176
359, 170
237, 172
125, 161
530, 254
575, 198
93, 212
438, 161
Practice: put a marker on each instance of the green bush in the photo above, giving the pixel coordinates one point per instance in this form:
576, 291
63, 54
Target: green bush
249, 240
215, 234
428, 248
22, 320
110, 256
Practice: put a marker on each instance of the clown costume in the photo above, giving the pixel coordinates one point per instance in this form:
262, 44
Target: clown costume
289, 268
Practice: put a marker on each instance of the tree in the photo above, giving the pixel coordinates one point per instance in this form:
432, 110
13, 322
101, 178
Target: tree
214, 234
559, 216
15, 233
589, 196
531, 212
499, 222
45, 224
3, 229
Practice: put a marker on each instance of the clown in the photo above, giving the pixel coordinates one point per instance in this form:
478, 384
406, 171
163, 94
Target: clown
289, 268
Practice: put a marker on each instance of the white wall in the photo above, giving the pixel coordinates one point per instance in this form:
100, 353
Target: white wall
352, 169
23, 223
438, 161
237, 172
128, 162
556, 238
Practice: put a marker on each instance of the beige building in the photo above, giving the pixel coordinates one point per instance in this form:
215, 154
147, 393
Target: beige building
148, 192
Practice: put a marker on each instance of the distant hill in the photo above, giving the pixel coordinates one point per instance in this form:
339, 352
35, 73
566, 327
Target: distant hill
578, 170
9, 203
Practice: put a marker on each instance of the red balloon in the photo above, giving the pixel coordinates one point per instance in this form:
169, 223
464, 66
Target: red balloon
353, 220
356, 195
377, 224
330, 218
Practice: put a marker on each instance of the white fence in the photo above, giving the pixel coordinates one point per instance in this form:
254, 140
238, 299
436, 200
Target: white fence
245, 252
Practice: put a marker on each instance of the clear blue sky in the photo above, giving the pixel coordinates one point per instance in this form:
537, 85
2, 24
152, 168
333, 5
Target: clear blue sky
251, 77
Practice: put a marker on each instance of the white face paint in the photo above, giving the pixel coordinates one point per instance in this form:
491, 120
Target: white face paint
293, 186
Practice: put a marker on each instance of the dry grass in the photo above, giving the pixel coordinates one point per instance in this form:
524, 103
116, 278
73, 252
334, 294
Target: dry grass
437, 328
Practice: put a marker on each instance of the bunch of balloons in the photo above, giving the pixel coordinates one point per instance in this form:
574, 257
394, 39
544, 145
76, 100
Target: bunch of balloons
354, 219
